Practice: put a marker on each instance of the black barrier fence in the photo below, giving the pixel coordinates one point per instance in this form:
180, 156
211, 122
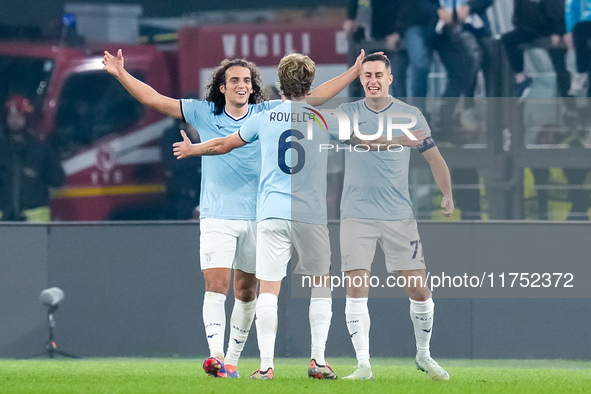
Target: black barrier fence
134, 289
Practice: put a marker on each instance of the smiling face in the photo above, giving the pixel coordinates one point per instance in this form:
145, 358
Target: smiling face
238, 86
376, 79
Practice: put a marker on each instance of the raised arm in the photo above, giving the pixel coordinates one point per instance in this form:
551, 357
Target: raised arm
142, 92
442, 178
331, 88
216, 146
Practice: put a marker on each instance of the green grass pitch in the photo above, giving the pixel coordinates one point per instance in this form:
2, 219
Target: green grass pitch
391, 375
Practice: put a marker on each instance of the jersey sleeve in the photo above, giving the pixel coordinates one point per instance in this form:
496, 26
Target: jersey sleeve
428, 142
422, 122
195, 111
249, 132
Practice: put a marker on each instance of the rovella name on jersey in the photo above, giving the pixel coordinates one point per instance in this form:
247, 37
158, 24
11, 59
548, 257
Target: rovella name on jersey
293, 117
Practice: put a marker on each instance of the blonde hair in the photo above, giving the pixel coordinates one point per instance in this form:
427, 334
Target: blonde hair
296, 74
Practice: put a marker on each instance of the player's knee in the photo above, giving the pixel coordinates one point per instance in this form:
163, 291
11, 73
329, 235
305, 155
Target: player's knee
245, 289
418, 293
217, 285
246, 295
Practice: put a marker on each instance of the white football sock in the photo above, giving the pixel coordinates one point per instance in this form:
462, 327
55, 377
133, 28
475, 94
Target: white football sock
421, 314
266, 323
358, 324
214, 320
240, 323
320, 314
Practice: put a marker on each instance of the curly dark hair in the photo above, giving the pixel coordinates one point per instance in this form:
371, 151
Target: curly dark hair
218, 78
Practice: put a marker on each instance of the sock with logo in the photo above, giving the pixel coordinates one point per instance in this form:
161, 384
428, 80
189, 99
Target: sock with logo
358, 322
421, 314
240, 323
320, 314
214, 319
266, 323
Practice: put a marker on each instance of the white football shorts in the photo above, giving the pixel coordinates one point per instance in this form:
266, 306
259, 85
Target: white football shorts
228, 244
399, 239
276, 237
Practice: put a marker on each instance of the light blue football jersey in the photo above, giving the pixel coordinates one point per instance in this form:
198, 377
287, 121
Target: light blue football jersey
229, 183
293, 168
376, 183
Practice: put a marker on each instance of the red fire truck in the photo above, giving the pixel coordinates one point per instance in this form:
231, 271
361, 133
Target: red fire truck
107, 141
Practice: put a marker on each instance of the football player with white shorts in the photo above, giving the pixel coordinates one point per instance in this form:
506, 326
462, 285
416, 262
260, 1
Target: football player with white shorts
228, 193
376, 208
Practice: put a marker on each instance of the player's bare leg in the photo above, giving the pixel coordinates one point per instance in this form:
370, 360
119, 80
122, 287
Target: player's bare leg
320, 315
421, 314
266, 323
217, 285
245, 287
358, 323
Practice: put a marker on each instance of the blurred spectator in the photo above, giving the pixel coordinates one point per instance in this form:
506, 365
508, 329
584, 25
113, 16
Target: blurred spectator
535, 19
183, 177
417, 20
372, 25
428, 27
461, 55
28, 166
578, 27
473, 14
477, 25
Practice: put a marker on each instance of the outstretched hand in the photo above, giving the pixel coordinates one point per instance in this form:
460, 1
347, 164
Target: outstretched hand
182, 149
113, 65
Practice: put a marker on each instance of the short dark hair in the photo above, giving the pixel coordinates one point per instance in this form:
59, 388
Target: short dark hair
374, 57
218, 78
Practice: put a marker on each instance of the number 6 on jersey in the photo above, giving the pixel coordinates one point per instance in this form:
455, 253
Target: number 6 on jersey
285, 144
